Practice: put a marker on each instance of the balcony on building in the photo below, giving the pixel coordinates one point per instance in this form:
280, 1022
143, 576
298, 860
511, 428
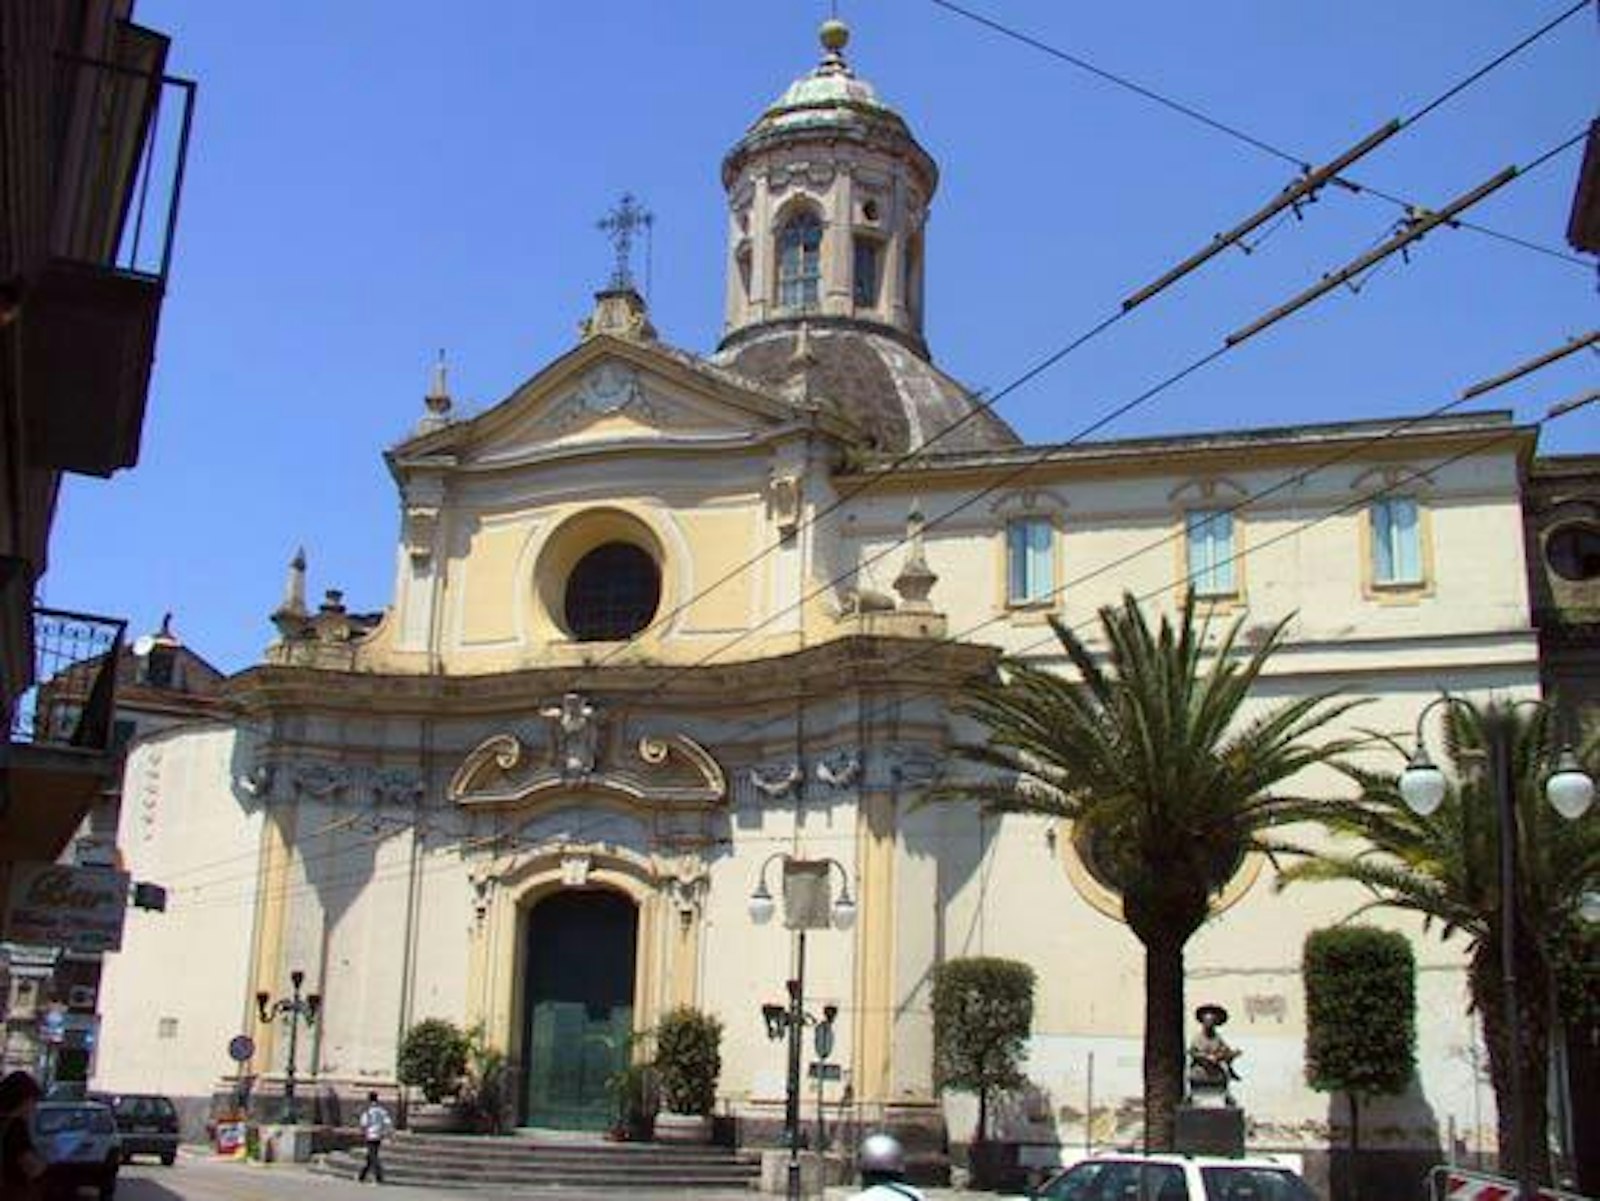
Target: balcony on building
60, 752
119, 131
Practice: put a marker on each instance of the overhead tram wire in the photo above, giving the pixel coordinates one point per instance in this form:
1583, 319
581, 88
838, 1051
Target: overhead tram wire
398, 871
1047, 453
1477, 447
1302, 190
1279, 152
1590, 339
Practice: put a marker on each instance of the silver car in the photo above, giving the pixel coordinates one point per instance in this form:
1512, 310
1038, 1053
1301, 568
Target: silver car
79, 1142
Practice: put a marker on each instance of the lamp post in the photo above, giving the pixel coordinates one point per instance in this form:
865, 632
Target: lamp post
293, 1007
1570, 792
808, 904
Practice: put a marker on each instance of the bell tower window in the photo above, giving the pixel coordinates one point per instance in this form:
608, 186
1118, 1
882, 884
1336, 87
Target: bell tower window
800, 262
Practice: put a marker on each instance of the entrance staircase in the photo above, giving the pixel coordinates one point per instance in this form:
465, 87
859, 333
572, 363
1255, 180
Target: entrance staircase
557, 1160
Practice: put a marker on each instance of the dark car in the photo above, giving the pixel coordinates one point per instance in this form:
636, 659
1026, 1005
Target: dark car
78, 1141
147, 1122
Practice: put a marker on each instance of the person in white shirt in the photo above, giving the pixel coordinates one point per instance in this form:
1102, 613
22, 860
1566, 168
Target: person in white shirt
883, 1171
375, 1126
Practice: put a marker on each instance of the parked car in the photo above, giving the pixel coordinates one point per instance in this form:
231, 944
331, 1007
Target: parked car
78, 1140
1175, 1178
147, 1122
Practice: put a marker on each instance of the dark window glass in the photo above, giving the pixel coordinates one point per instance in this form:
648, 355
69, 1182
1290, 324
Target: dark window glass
800, 263
612, 593
1573, 552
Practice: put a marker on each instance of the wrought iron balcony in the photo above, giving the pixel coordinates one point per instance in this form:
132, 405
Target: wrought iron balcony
72, 699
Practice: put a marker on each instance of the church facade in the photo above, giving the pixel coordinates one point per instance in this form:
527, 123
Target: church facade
667, 630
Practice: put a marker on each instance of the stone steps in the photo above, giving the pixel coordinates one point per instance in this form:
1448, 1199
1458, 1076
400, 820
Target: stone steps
457, 1161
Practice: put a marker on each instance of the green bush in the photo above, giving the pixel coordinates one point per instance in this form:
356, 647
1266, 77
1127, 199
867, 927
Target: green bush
982, 1016
688, 1060
433, 1057
1361, 1010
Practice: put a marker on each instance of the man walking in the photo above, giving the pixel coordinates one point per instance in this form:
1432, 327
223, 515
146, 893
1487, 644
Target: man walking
375, 1126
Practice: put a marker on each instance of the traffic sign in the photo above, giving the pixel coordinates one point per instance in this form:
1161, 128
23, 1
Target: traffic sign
241, 1047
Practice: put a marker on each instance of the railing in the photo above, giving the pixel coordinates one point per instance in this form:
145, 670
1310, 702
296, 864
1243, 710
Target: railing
72, 699
122, 138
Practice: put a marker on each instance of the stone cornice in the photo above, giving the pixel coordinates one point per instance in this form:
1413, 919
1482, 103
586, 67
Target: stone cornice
872, 664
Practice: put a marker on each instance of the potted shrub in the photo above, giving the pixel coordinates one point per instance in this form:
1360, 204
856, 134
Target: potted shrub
633, 1092
688, 1062
433, 1058
486, 1091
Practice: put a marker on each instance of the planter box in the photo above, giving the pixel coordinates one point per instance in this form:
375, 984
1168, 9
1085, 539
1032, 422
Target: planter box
446, 1118
683, 1128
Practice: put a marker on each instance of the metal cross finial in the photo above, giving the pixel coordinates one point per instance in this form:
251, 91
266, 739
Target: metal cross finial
621, 225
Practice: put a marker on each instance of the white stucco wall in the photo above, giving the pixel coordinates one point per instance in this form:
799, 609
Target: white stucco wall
178, 990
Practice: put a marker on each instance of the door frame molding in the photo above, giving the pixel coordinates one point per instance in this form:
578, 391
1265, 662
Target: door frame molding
498, 953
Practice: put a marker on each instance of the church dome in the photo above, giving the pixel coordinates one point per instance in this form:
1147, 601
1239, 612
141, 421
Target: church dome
829, 101
899, 400
828, 201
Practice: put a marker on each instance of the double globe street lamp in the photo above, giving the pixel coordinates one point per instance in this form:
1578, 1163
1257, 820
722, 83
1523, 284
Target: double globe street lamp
1570, 792
809, 903
294, 1008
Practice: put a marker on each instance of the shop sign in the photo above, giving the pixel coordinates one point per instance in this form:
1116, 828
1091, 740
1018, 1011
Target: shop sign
75, 908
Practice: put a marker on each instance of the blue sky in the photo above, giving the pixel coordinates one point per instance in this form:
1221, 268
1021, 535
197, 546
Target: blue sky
370, 182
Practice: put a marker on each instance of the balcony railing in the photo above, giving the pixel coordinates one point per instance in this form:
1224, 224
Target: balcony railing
122, 143
72, 699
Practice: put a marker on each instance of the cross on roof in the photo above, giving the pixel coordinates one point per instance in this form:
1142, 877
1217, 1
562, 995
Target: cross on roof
621, 225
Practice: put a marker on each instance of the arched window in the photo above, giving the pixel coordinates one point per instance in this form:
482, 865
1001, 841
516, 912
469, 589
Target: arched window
799, 261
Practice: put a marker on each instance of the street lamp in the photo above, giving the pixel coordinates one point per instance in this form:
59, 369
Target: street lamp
808, 904
1570, 792
294, 1008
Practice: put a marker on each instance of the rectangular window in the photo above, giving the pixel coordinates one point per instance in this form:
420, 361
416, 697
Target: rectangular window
1030, 566
866, 273
1396, 543
1210, 542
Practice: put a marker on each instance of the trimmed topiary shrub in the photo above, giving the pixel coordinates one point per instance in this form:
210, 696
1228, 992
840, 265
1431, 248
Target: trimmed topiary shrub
982, 1016
688, 1060
1361, 1017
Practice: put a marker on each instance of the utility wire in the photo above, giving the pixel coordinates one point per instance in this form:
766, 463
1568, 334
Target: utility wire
1293, 479
1046, 454
1292, 197
299, 888
1279, 152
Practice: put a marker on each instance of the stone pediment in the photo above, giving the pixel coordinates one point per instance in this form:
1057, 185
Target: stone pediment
611, 393
655, 770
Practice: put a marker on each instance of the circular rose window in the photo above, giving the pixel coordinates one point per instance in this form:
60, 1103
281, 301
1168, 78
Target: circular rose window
612, 593
1573, 552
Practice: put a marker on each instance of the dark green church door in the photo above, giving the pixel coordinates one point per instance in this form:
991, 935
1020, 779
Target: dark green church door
579, 1015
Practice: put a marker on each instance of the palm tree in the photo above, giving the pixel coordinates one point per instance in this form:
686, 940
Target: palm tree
1167, 785
1445, 867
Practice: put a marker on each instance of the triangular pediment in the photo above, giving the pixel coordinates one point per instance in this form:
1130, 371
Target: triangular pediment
612, 393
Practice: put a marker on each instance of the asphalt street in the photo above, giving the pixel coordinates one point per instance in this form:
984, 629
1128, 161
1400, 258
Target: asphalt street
197, 1177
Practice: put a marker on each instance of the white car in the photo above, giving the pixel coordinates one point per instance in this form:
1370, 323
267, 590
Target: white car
1130, 1177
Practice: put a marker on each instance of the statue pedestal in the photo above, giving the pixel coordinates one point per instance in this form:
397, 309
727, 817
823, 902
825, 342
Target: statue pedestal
1210, 1130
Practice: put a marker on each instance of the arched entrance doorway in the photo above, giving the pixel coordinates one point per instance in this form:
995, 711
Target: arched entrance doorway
578, 1014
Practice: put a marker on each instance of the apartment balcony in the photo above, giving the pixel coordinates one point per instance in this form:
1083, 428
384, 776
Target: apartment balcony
90, 311
60, 752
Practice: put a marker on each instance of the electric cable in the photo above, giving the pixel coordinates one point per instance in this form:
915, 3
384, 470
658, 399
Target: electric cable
1279, 152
